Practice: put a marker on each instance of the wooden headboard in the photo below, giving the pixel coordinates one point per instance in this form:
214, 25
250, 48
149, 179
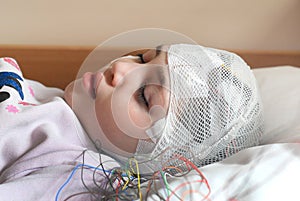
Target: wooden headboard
57, 66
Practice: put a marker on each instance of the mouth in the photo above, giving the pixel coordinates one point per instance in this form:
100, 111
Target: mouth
91, 82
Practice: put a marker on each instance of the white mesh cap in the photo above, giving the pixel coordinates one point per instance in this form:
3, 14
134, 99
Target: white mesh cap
215, 108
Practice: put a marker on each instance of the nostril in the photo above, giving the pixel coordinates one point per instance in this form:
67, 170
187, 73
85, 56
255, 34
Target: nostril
113, 80
117, 79
112, 76
109, 76
118, 70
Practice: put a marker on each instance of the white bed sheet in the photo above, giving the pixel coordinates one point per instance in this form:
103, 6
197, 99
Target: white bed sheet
269, 172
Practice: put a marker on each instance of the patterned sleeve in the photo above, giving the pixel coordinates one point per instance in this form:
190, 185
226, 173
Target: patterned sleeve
15, 92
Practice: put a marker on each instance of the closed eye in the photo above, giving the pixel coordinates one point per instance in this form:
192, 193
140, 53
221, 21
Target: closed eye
141, 96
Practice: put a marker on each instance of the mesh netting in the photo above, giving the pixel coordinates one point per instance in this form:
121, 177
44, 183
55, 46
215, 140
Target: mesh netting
214, 111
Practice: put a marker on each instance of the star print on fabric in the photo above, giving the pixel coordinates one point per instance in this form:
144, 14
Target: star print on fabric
12, 109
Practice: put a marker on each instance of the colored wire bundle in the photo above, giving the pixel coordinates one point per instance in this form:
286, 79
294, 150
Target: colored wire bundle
129, 184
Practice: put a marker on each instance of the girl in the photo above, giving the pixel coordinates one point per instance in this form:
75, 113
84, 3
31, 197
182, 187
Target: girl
179, 100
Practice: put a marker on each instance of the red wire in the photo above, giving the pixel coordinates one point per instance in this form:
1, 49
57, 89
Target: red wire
203, 180
117, 189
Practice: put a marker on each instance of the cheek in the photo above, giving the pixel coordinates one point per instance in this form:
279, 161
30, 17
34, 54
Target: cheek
111, 130
139, 116
105, 119
128, 115
120, 118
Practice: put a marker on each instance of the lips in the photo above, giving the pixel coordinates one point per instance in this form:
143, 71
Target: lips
91, 82
97, 80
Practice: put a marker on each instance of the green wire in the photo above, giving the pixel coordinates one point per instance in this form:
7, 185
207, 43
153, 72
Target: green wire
163, 175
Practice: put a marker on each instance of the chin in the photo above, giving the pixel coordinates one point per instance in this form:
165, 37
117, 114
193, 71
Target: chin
68, 93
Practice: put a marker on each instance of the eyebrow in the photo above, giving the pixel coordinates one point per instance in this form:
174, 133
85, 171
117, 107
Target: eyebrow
158, 50
160, 73
161, 77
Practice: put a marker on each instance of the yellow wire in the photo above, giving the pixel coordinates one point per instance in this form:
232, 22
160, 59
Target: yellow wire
128, 173
138, 176
131, 165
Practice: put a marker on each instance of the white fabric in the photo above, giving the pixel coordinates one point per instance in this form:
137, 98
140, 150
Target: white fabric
266, 172
269, 172
41, 140
280, 91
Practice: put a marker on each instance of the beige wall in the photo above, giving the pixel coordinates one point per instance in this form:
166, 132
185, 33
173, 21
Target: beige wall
234, 24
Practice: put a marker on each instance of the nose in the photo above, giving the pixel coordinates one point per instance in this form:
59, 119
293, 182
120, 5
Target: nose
119, 69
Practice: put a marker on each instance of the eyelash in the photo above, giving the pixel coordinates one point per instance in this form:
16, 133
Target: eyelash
141, 96
141, 58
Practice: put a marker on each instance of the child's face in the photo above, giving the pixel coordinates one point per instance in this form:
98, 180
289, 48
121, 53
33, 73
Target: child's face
127, 97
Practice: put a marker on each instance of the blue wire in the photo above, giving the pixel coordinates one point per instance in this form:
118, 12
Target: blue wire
67, 181
72, 174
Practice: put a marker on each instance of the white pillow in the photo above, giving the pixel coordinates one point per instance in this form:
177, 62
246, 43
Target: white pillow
280, 92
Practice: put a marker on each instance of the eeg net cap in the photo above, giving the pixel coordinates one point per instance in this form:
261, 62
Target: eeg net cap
214, 111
